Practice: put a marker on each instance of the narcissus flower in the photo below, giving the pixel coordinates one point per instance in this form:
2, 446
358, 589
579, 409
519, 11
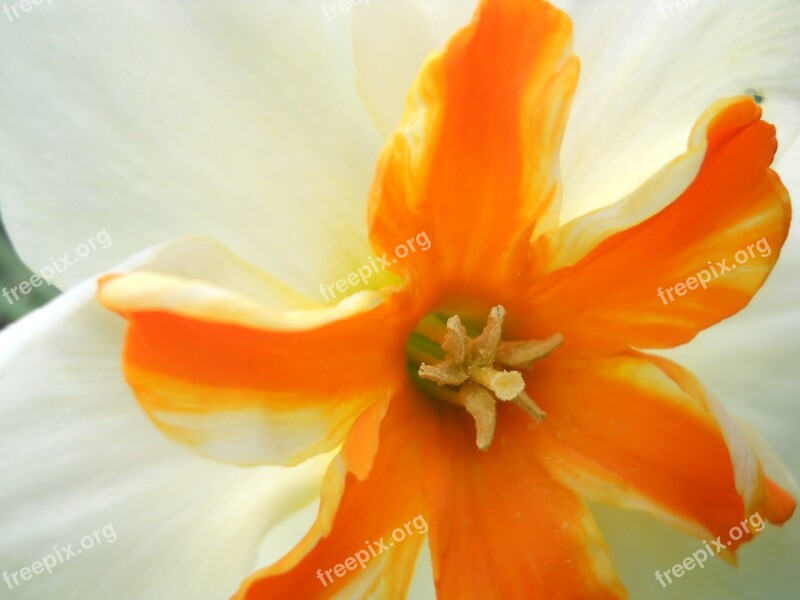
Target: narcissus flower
498, 374
495, 440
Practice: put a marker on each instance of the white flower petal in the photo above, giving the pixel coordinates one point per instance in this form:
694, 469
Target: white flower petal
391, 39
79, 455
422, 585
648, 70
770, 461
152, 120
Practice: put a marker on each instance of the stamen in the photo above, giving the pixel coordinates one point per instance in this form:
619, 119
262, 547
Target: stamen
480, 404
456, 340
485, 345
505, 384
446, 372
471, 365
523, 354
529, 406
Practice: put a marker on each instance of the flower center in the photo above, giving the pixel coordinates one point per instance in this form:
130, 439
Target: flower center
474, 372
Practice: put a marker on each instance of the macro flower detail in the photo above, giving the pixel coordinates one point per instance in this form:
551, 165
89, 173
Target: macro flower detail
469, 365
494, 387
388, 373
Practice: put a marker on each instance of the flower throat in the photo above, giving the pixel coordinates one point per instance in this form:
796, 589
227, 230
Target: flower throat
475, 372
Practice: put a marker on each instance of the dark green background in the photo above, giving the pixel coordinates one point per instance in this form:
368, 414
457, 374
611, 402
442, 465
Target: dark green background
12, 272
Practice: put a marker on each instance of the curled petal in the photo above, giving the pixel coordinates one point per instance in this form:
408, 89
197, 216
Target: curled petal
677, 267
474, 163
628, 431
240, 381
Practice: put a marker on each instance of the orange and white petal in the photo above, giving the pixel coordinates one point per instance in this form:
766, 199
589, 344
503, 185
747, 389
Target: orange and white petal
750, 359
648, 69
474, 163
501, 527
759, 493
371, 522
238, 380
236, 120
79, 458
694, 262
625, 431
251, 396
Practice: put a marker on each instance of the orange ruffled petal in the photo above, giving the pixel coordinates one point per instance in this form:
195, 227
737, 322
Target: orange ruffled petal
240, 382
474, 163
622, 430
371, 491
501, 527
608, 299
759, 493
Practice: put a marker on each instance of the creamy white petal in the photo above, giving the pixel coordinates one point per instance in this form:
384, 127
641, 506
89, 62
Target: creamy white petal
422, 586
391, 39
80, 457
773, 466
152, 120
576, 239
648, 71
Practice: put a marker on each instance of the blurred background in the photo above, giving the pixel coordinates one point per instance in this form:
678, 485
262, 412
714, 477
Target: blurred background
12, 273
